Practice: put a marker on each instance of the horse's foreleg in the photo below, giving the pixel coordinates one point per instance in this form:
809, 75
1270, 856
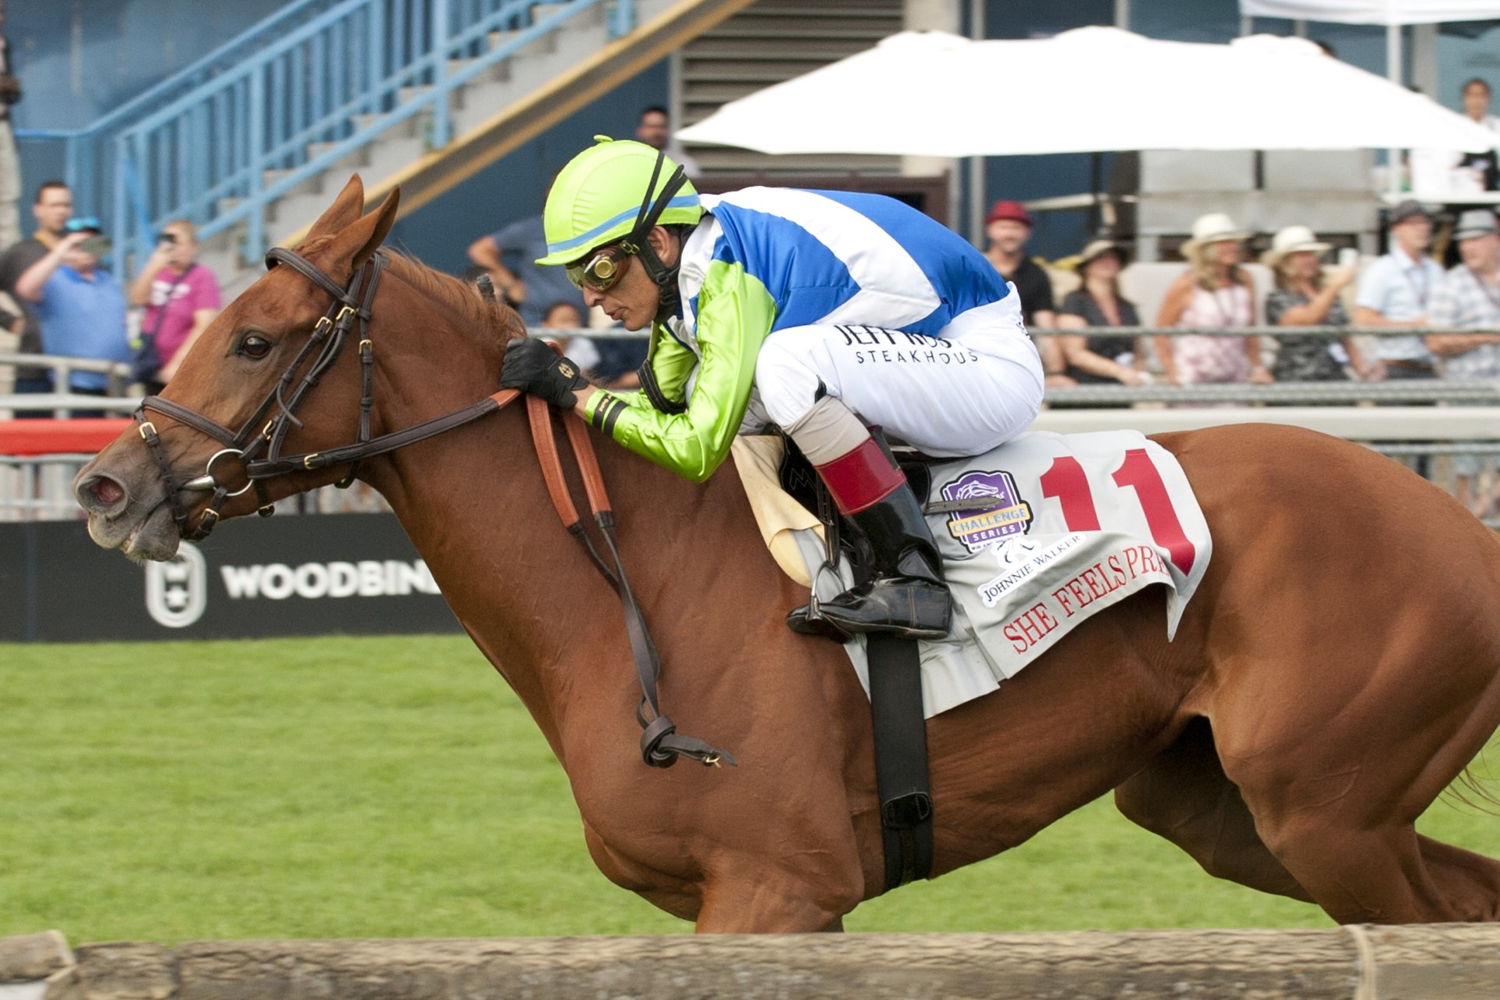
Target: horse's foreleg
1470, 882
1184, 796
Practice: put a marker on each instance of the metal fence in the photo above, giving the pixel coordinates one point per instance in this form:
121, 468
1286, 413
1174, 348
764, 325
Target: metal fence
1425, 423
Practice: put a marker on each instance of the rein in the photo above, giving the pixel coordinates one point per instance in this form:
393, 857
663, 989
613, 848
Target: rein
661, 744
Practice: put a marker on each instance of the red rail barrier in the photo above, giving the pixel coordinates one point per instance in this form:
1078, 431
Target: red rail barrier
81, 435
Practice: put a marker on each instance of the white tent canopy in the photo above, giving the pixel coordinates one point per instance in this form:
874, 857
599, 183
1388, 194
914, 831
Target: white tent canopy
1374, 11
1087, 90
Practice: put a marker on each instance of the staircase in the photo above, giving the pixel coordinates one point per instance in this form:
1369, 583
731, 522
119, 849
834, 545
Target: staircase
420, 93
766, 43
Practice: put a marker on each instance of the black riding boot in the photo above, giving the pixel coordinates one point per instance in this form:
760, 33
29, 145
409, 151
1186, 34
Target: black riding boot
906, 594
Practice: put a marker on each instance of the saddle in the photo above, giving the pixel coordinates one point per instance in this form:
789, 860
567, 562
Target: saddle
1036, 536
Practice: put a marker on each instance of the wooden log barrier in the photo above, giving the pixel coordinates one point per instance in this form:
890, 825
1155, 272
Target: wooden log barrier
1448, 962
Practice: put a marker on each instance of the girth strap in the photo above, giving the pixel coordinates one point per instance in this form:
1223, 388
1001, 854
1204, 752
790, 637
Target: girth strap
901, 774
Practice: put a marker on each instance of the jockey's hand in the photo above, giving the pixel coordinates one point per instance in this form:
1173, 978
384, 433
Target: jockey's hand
535, 367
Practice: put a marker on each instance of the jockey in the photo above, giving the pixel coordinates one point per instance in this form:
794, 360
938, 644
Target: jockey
816, 312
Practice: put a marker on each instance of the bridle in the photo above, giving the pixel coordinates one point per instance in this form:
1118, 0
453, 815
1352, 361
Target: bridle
352, 304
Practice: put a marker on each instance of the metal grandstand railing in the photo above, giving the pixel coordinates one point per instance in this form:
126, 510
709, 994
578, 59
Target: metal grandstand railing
1434, 419
222, 139
88, 154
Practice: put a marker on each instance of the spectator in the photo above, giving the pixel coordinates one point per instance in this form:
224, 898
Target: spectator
52, 208
1304, 297
1007, 228
1475, 95
509, 257
1393, 293
1468, 297
81, 307
565, 317
654, 128
10, 164
1215, 292
610, 362
180, 296
1099, 304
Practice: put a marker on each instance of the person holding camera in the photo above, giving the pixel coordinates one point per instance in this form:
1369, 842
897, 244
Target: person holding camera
80, 306
180, 296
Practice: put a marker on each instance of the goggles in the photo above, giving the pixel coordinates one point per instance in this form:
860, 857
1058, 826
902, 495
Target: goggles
602, 271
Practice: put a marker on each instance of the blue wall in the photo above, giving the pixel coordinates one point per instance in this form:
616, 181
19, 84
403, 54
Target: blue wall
77, 59
513, 187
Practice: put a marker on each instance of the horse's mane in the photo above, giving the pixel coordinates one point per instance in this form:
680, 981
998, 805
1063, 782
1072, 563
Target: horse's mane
459, 296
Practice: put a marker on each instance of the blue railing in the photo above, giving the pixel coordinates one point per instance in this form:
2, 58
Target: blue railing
224, 138
85, 157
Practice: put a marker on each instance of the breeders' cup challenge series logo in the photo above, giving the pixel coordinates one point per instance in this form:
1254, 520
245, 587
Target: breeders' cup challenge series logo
1004, 513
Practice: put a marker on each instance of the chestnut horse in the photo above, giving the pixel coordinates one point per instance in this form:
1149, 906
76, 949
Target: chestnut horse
1335, 671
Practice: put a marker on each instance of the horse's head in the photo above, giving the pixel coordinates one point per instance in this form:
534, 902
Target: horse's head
240, 427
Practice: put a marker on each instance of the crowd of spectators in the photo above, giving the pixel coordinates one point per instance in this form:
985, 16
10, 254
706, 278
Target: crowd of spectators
1087, 339
61, 299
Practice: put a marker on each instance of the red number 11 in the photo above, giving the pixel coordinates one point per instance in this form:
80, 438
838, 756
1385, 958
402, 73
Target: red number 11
1065, 481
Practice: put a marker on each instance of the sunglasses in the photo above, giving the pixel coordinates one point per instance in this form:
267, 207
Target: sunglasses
79, 223
602, 271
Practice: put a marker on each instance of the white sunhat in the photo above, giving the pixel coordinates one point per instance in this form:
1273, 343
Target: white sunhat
1215, 227
1290, 240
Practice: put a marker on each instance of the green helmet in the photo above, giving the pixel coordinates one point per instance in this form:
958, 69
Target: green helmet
602, 196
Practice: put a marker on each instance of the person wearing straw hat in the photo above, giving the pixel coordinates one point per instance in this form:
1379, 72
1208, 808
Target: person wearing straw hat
1468, 298
1304, 296
1099, 305
1215, 292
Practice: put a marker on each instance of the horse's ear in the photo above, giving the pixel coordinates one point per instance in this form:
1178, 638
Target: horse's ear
375, 225
344, 210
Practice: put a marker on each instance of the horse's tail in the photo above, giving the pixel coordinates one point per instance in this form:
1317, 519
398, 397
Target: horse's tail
1474, 790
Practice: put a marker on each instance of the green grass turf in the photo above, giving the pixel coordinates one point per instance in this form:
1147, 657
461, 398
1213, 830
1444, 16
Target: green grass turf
394, 787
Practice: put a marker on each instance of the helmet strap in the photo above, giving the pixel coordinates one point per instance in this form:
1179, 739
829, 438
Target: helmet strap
637, 242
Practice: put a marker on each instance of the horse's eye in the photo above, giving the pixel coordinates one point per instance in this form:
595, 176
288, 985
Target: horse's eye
254, 347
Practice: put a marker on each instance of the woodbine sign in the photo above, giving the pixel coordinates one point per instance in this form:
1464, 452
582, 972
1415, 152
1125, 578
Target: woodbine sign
291, 575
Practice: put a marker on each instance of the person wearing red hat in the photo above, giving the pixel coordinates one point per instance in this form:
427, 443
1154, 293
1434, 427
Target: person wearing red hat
1007, 228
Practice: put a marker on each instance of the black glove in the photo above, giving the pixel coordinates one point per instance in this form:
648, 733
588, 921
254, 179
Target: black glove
534, 367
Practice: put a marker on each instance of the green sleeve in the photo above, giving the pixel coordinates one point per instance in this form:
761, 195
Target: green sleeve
671, 366
735, 313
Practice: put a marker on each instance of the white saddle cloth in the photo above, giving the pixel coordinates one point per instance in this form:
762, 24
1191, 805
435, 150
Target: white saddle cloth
1060, 527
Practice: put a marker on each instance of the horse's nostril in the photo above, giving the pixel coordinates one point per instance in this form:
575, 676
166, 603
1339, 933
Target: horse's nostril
106, 491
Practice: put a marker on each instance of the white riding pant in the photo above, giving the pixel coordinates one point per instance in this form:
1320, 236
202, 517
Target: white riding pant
974, 386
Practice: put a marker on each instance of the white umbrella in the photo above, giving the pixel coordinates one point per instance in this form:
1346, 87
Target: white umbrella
1373, 11
1087, 90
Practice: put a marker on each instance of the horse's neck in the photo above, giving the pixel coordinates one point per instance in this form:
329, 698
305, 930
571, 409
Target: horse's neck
476, 507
